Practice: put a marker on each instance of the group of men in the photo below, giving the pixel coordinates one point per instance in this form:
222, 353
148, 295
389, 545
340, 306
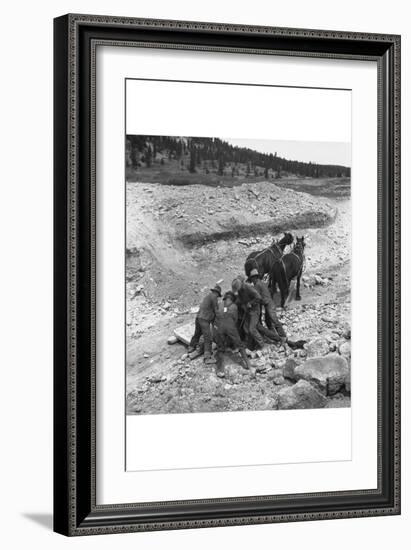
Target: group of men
237, 321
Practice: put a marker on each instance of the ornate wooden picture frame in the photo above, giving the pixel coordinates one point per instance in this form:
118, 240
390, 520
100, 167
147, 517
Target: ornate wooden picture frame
76, 38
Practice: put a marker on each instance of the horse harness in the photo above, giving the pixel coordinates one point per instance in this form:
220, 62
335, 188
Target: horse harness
270, 249
301, 259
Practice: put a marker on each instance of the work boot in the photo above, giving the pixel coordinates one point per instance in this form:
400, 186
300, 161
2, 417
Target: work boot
209, 360
245, 359
196, 353
219, 370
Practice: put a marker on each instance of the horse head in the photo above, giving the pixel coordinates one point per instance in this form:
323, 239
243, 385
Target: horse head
285, 240
299, 246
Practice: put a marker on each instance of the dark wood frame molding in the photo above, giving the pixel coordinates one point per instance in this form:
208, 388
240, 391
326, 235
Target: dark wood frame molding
76, 38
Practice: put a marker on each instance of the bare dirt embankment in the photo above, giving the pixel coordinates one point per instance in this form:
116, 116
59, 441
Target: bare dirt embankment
180, 241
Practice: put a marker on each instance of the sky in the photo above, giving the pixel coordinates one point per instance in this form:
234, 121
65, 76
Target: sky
321, 152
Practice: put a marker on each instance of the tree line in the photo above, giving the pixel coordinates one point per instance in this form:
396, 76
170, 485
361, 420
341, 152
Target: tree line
216, 155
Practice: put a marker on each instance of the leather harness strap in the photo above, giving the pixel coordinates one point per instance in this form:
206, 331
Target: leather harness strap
300, 259
269, 248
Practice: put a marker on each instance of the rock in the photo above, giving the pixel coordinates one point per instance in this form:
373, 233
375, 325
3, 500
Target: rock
172, 340
328, 374
233, 374
345, 349
278, 363
260, 365
289, 369
328, 319
185, 333
317, 347
301, 395
274, 373
279, 380
347, 334
157, 378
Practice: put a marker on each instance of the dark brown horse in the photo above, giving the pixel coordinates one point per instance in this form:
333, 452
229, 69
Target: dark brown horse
286, 268
264, 260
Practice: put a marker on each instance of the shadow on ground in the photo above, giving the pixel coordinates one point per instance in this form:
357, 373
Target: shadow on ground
44, 520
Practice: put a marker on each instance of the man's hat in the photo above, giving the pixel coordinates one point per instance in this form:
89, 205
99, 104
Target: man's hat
230, 295
236, 285
254, 273
217, 289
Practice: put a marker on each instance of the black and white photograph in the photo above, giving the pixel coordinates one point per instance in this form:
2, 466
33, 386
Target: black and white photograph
238, 274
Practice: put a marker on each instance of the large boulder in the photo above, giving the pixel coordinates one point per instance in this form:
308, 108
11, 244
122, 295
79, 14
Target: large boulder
185, 332
289, 369
328, 374
317, 347
301, 395
345, 349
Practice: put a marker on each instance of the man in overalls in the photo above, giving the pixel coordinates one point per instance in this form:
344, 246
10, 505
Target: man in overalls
249, 300
226, 332
205, 318
273, 324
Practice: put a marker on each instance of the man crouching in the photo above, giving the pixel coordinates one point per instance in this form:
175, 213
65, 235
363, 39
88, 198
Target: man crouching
226, 332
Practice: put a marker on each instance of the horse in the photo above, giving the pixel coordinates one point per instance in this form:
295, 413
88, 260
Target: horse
263, 260
286, 268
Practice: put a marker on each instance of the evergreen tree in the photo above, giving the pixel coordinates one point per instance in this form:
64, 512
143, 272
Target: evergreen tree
216, 155
148, 156
134, 156
192, 167
221, 165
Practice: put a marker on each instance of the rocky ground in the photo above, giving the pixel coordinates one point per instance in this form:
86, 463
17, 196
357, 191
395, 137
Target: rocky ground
180, 241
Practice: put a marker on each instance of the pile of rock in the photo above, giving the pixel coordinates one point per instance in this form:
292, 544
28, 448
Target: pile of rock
194, 211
